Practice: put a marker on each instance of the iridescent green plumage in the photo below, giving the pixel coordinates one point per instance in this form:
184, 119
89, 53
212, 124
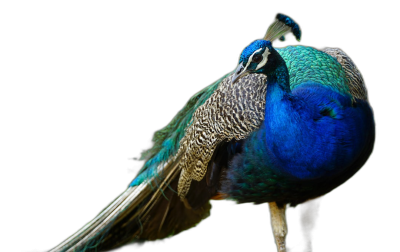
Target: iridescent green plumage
216, 147
309, 64
304, 64
166, 140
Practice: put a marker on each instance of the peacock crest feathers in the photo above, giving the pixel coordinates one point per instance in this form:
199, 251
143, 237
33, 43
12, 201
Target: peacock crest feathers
282, 25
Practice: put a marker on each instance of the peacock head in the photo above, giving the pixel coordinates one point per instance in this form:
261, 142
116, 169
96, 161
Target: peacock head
260, 56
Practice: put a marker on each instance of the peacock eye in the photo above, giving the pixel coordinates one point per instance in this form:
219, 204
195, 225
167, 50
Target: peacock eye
257, 58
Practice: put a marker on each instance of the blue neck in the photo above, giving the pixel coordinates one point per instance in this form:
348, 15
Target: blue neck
284, 126
279, 78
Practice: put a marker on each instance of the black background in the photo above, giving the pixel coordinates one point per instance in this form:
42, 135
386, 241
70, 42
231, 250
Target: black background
99, 80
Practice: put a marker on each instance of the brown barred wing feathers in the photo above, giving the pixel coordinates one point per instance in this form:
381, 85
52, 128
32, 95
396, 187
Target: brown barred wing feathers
233, 111
355, 80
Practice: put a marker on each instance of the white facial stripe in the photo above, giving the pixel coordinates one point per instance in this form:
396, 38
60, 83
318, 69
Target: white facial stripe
251, 58
265, 58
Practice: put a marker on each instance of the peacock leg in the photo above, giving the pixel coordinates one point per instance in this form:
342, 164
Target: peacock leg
308, 217
278, 223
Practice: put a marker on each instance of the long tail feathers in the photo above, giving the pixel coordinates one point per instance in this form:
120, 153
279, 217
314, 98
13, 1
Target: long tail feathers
148, 211
103, 220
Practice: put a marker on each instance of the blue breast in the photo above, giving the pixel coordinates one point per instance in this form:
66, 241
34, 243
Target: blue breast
318, 134
313, 141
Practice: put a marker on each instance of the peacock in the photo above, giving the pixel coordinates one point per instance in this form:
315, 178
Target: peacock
286, 126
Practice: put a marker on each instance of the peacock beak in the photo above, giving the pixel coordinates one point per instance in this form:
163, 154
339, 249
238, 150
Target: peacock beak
239, 72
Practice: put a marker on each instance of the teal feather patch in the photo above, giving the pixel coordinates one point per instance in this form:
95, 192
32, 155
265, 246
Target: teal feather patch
166, 141
307, 64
